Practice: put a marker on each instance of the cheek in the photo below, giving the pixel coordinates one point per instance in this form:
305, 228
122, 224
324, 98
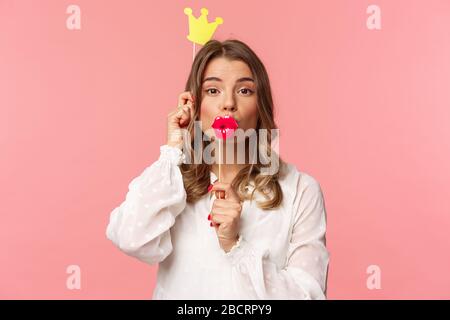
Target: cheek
206, 116
251, 116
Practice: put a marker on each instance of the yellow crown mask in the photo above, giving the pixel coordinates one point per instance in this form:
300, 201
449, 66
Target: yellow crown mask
200, 30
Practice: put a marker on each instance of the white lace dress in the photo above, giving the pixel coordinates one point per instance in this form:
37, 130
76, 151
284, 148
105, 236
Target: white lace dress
281, 254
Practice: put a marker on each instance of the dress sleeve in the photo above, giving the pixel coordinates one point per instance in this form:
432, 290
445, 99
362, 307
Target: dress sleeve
304, 275
140, 226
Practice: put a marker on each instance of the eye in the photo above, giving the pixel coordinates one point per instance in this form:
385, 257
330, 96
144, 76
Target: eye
212, 91
246, 91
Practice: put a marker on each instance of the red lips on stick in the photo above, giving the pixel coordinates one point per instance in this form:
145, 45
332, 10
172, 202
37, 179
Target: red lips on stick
224, 128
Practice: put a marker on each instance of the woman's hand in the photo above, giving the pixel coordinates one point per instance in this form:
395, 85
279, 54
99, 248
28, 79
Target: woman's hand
179, 118
226, 214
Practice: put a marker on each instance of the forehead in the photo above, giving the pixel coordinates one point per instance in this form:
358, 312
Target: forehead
227, 69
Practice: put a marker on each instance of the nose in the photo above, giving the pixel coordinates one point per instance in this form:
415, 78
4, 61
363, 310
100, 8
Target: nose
229, 105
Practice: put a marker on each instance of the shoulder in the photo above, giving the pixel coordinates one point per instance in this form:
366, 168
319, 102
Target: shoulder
296, 183
291, 176
302, 195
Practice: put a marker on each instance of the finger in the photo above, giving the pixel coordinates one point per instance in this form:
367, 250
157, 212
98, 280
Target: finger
229, 192
220, 218
184, 97
222, 203
190, 107
176, 114
183, 116
229, 212
220, 194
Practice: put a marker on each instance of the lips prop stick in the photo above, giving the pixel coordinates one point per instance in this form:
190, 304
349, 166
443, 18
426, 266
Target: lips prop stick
224, 128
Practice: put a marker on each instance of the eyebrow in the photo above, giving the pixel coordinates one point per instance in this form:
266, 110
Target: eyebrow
238, 80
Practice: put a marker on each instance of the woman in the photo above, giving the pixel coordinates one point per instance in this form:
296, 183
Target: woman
253, 235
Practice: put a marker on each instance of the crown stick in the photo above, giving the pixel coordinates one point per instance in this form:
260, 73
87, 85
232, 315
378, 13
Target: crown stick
200, 30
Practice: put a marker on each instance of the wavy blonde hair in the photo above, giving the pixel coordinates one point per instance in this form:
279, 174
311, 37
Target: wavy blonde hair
196, 176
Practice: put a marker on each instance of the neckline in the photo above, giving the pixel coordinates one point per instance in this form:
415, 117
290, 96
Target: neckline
214, 178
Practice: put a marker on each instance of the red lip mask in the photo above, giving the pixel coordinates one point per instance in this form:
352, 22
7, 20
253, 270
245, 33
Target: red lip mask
224, 127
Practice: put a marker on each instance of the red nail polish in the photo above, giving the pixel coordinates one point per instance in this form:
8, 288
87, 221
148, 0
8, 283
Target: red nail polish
209, 216
210, 187
211, 224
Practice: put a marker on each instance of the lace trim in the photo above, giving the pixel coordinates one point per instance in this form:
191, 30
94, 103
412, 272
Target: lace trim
173, 154
235, 248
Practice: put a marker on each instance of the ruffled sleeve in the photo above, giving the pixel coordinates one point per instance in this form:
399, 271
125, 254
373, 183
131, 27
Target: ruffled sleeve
304, 276
140, 226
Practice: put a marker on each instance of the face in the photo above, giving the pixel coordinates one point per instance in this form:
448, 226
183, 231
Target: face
228, 88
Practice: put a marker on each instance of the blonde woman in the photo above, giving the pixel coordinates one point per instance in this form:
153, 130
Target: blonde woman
254, 234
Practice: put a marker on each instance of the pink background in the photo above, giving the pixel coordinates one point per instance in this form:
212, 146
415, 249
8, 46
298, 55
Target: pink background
367, 113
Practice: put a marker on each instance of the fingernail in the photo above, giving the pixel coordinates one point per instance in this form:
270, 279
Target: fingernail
211, 224
210, 187
209, 216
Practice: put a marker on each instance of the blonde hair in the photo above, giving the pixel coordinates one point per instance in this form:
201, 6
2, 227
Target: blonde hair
196, 176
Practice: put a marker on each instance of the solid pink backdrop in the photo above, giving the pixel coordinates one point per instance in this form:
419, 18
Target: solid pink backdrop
365, 112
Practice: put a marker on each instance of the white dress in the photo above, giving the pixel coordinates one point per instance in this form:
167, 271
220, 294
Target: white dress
281, 254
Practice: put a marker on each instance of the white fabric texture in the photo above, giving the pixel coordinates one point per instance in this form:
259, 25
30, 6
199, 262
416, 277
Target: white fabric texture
281, 254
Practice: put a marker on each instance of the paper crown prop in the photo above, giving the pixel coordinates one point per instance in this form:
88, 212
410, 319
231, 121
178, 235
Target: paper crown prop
200, 30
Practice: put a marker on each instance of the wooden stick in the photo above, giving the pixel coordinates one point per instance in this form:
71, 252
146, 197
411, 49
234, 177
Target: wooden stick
220, 157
